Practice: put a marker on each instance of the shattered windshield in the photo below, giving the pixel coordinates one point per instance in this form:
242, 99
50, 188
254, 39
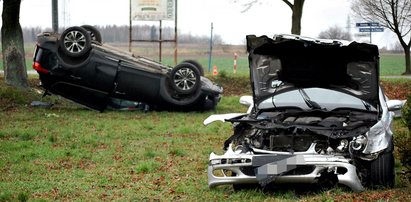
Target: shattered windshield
325, 98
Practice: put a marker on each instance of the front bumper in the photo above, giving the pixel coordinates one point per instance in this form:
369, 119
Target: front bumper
277, 167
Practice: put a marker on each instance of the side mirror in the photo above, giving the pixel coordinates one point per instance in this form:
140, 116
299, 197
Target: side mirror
247, 101
396, 106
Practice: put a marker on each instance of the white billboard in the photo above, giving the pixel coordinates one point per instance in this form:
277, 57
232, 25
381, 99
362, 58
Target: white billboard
152, 10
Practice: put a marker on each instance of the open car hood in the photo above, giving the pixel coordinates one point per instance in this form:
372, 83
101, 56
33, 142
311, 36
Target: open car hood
289, 62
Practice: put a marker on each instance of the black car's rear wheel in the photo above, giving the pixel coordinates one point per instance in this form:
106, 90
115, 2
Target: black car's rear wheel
94, 33
75, 41
197, 65
185, 78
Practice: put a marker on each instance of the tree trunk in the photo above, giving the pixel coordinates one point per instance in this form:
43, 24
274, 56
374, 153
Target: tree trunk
407, 61
297, 10
14, 63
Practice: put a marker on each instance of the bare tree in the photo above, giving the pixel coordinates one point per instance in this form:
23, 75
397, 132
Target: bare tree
335, 32
14, 63
296, 8
395, 15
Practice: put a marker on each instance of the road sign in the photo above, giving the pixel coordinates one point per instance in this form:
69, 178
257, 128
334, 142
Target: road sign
152, 10
363, 34
367, 24
371, 29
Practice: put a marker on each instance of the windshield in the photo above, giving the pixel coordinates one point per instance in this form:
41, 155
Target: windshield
325, 98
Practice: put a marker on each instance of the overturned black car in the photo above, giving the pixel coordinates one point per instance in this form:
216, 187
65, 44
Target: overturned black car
77, 66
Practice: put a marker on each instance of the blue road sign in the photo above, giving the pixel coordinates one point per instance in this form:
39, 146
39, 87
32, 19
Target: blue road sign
379, 29
367, 24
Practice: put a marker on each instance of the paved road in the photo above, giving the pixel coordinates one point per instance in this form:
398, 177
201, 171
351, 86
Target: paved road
397, 77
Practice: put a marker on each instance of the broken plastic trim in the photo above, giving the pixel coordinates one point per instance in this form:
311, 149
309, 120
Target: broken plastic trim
339, 166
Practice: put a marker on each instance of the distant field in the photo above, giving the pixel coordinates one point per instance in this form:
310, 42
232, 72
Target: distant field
392, 64
223, 55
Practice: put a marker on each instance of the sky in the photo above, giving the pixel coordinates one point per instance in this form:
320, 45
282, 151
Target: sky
268, 17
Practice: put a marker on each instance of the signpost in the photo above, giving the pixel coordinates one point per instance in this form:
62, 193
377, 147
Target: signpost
54, 16
154, 10
369, 27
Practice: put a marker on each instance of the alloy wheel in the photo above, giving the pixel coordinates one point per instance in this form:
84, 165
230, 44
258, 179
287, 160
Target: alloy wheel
185, 79
74, 41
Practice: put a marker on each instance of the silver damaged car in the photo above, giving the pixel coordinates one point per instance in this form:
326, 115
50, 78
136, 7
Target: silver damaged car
317, 115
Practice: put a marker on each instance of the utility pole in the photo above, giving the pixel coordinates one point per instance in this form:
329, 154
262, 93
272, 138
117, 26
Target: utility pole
54, 15
211, 48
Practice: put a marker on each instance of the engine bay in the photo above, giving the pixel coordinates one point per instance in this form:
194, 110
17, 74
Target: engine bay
296, 130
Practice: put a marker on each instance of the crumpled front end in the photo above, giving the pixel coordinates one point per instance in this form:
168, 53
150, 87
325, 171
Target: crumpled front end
236, 167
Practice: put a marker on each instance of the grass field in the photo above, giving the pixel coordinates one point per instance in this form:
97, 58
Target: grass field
71, 153
392, 64
223, 55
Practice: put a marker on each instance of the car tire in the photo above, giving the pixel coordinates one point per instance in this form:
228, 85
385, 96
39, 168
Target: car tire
185, 78
94, 33
75, 41
197, 65
382, 172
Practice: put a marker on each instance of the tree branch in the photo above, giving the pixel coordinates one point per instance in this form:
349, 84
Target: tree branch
289, 4
248, 5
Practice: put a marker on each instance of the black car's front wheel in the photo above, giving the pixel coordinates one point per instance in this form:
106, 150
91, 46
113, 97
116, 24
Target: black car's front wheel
382, 172
185, 78
75, 41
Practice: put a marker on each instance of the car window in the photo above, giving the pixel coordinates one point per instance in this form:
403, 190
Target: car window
326, 98
47, 58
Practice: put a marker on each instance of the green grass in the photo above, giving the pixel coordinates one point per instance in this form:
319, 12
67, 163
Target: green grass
71, 153
74, 153
392, 64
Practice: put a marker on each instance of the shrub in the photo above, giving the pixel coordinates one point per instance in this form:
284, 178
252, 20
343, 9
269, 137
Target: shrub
403, 142
223, 74
23, 197
406, 112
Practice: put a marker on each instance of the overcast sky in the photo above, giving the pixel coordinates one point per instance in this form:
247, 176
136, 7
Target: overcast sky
268, 17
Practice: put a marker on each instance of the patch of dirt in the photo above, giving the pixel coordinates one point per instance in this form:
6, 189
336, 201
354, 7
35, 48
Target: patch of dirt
399, 194
233, 86
396, 90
